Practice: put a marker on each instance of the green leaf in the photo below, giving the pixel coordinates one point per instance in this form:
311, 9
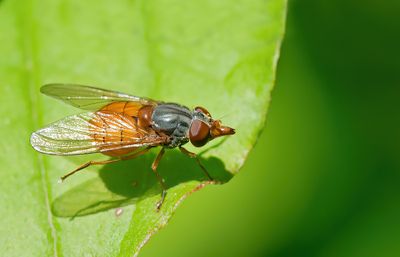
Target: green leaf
218, 54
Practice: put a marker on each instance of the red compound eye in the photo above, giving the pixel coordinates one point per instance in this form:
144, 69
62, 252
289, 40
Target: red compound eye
199, 133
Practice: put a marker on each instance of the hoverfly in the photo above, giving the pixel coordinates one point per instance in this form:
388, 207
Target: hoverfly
124, 127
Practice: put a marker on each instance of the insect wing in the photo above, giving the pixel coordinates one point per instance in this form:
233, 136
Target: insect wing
92, 132
90, 98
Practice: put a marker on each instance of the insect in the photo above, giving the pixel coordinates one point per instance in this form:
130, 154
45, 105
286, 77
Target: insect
124, 127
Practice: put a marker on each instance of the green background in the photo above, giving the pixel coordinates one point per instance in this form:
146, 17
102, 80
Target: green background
324, 178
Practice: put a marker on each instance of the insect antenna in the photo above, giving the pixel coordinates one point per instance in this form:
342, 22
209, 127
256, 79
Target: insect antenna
225, 115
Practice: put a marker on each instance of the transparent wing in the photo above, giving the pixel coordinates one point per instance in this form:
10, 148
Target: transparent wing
89, 98
92, 133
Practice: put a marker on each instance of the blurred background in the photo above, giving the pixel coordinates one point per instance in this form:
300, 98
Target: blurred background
324, 178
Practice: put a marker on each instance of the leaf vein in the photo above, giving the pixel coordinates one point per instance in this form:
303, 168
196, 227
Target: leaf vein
30, 58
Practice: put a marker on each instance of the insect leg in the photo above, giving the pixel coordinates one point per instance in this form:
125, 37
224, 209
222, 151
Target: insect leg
90, 163
85, 165
159, 178
193, 155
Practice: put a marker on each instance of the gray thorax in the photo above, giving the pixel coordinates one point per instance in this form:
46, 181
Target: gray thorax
173, 120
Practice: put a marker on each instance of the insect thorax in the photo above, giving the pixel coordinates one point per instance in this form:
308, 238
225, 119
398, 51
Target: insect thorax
173, 120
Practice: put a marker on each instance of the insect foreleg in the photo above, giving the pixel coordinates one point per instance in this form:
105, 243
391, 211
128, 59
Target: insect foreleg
193, 155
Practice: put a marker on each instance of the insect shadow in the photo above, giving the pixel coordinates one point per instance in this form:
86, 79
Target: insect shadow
126, 182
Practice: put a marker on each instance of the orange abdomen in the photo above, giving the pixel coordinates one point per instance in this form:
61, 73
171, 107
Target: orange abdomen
129, 108
121, 125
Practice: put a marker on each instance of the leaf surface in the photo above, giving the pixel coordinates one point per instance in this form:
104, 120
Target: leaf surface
218, 54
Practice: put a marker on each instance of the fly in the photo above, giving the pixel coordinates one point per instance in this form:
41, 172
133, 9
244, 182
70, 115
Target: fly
124, 127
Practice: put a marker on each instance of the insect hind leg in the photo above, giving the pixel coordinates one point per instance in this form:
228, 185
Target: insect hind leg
90, 163
85, 165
